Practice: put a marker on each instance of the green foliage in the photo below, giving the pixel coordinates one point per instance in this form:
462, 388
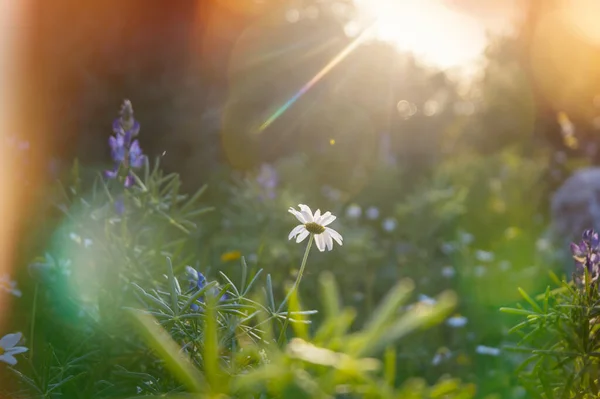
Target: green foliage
119, 264
331, 362
559, 341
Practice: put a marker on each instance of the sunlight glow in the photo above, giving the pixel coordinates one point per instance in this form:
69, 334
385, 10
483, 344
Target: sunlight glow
427, 28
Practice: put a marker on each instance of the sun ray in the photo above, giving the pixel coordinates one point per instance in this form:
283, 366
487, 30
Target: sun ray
315, 79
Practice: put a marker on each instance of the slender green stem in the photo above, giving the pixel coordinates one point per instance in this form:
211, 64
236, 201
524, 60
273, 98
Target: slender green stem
33, 316
300, 273
293, 289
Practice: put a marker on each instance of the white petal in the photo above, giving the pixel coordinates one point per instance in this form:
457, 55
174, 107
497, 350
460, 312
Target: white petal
334, 234
10, 340
296, 231
317, 216
326, 219
320, 240
7, 358
302, 236
16, 350
328, 240
298, 215
307, 213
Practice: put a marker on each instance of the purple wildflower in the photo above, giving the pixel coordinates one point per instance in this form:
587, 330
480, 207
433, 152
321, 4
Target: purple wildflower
587, 254
126, 125
123, 151
197, 281
118, 150
136, 157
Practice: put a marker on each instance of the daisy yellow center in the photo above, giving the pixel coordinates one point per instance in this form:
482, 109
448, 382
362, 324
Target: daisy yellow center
314, 228
1, 351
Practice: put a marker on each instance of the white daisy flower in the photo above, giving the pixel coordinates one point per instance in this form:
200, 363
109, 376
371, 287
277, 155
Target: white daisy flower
8, 348
315, 225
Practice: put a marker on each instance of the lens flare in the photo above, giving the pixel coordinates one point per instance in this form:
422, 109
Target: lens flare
315, 79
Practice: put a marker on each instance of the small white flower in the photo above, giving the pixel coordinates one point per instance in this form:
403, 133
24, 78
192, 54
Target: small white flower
389, 224
8, 348
542, 245
315, 225
484, 256
7, 285
448, 248
479, 271
86, 242
487, 350
353, 211
372, 213
448, 271
457, 321
504, 265
426, 300
441, 355
466, 238
75, 237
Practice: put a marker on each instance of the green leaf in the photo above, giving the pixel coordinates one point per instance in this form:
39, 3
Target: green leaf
374, 341
387, 309
173, 287
211, 346
533, 303
330, 295
169, 351
520, 312
269, 292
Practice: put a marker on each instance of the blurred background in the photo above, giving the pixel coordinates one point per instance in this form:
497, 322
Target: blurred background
438, 131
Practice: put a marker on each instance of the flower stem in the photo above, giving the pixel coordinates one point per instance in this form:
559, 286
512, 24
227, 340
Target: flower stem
300, 273
293, 289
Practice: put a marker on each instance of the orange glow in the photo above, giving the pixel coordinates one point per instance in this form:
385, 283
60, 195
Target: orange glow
581, 16
564, 66
10, 22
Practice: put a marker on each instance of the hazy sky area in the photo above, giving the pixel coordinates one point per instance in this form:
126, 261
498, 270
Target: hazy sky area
445, 33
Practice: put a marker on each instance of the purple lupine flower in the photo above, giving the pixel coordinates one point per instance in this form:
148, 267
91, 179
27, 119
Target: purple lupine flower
195, 278
122, 150
111, 174
118, 150
136, 157
197, 281
587, 254
129, 180
126, 125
